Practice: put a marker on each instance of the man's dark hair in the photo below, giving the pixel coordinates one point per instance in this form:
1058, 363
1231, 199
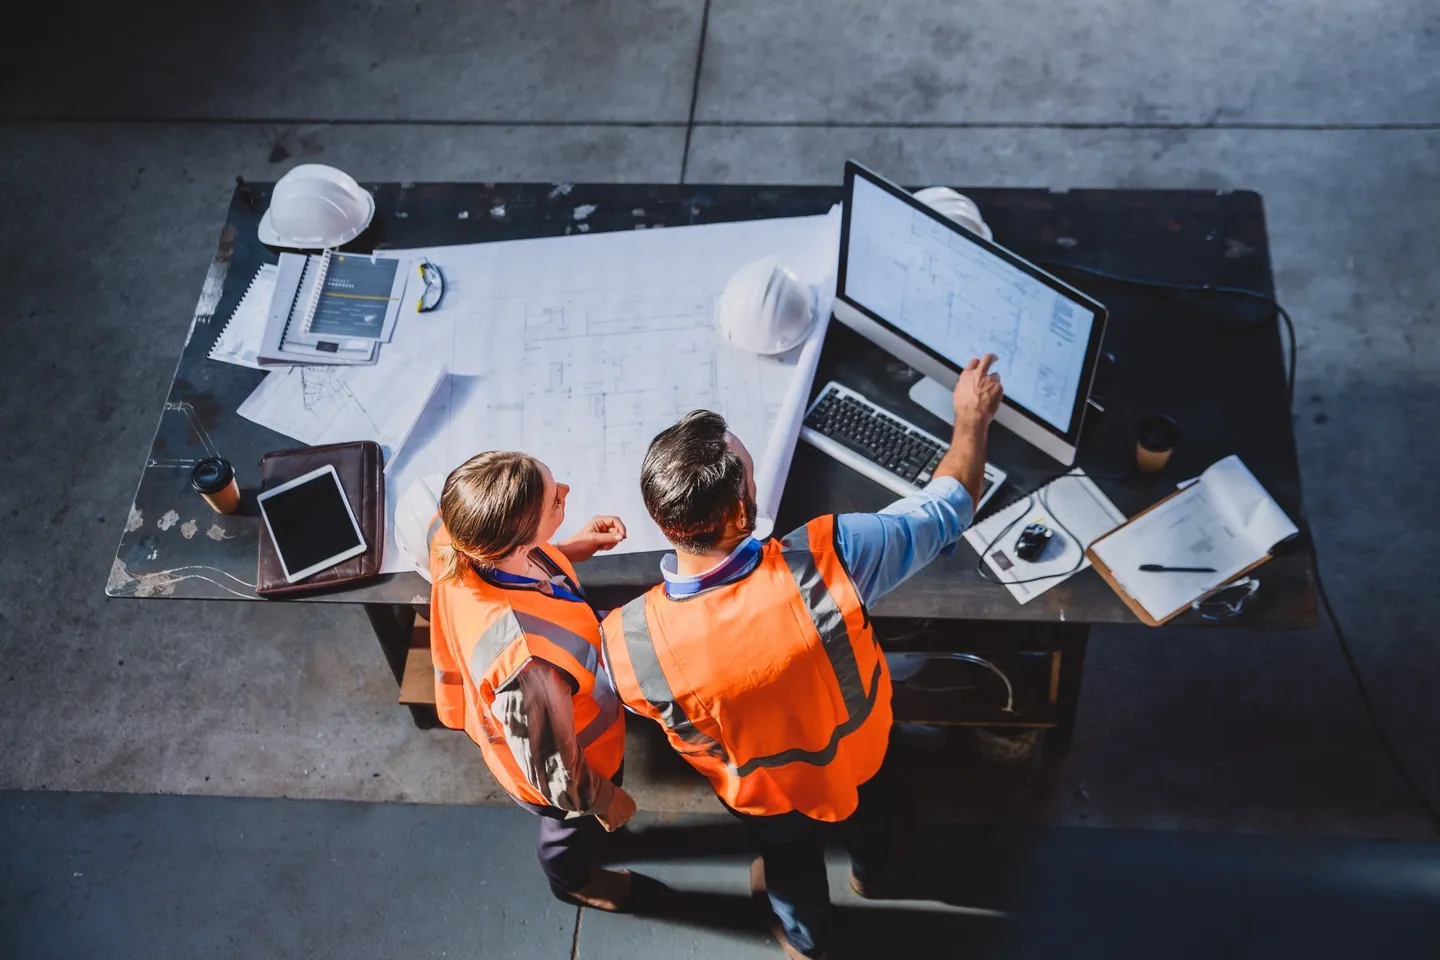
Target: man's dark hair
691, 480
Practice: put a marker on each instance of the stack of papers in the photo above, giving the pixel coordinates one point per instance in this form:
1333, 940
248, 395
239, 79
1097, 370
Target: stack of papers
332, 309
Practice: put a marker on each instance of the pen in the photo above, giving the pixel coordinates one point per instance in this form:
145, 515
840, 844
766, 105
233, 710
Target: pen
1161, 568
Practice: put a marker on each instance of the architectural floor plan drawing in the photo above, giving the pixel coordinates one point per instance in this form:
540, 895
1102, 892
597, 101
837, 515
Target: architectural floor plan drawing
962, 300
580, 349
317, 404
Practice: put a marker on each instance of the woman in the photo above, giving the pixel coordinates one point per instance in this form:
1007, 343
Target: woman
517, 661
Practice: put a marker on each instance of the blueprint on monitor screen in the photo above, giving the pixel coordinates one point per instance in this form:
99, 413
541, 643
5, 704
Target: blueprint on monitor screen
962, 300
580, 349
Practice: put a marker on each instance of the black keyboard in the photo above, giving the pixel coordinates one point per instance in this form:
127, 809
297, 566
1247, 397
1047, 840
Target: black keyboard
882, 439
875, 442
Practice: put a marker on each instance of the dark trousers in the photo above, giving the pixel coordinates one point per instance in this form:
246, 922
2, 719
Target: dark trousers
793, 848
569, 848
569, 851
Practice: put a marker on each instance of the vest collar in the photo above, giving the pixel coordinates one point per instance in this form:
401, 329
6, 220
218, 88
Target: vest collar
564, 588
739, 563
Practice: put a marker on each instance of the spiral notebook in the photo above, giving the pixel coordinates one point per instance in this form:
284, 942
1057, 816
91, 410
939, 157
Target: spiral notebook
1072, 506
332, 308
239, 340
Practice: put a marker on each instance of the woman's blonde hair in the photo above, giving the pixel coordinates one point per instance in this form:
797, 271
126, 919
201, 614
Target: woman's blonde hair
491, 505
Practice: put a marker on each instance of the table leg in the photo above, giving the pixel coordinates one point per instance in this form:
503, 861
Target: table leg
1072, 641
392, 623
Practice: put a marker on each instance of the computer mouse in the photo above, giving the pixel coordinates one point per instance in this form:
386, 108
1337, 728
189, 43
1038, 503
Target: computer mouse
1032, 542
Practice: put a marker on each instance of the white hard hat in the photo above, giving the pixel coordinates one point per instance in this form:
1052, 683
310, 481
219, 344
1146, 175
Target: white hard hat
765, 308
314, 207
957, 207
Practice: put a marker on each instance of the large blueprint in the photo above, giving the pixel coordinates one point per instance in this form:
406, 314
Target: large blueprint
580, 349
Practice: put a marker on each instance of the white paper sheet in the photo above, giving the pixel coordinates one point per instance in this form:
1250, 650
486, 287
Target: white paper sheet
1241, 501
318, 405
580, 349
1073, 502
1225, 521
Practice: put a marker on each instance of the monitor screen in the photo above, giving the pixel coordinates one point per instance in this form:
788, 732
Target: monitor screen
938, 286
310, 522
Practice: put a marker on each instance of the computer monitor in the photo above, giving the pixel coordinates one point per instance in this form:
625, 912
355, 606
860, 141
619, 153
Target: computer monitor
935, 295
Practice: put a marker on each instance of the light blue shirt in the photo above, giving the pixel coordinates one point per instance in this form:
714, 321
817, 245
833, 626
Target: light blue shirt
880, 550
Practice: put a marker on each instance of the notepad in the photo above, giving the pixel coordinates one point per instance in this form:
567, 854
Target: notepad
1225, 520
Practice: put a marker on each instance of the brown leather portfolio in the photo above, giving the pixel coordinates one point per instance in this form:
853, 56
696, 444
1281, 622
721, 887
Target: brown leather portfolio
361, 468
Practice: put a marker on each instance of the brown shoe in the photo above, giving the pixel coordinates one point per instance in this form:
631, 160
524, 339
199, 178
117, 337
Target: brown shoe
757, 890
607, 890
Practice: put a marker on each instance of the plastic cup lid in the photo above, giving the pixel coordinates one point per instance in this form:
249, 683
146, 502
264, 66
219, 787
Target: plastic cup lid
212, 475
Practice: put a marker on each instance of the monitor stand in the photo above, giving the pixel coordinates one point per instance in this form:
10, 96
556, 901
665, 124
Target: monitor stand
934, 397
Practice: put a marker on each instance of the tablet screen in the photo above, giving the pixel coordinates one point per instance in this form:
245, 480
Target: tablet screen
310, 522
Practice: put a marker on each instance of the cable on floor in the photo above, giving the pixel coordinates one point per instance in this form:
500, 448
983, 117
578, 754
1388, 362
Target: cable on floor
1431, 812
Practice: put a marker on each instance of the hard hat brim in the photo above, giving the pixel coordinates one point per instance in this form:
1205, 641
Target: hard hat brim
268, 236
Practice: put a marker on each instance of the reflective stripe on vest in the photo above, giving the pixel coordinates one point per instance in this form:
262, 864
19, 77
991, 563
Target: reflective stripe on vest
829, 622
608, 701
514, 626
654, 686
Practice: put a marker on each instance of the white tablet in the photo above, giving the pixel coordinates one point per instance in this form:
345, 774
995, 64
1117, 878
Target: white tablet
311, 523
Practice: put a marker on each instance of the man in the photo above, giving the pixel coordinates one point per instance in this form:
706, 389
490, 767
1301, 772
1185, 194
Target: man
758, 659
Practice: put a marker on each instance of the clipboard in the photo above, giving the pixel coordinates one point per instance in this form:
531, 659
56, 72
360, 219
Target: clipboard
1135, 605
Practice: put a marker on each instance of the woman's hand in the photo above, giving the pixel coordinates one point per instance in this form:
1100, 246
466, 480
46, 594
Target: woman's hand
601, 533
620, 810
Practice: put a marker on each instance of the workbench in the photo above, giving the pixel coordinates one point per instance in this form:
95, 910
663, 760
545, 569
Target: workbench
1214, 361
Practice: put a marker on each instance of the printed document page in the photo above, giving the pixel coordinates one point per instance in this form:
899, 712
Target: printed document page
1246, 505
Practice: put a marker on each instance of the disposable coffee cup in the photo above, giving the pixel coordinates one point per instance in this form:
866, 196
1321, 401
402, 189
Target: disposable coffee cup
214, 479
1155, 440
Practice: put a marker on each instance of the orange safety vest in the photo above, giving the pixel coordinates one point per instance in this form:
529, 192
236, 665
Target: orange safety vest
772, 686
482, 633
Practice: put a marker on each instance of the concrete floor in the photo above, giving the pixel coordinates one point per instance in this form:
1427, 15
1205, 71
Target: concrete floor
172, 878
122, 142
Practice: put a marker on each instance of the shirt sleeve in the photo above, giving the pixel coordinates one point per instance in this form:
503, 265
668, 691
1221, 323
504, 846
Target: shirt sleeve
537, 716
881, 550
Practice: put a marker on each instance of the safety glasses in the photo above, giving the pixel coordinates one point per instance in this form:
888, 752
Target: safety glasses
434, 286
1227, 600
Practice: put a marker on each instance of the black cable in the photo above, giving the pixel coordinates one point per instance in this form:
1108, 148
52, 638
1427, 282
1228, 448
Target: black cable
1029, 498
1199, 288
1431, 812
